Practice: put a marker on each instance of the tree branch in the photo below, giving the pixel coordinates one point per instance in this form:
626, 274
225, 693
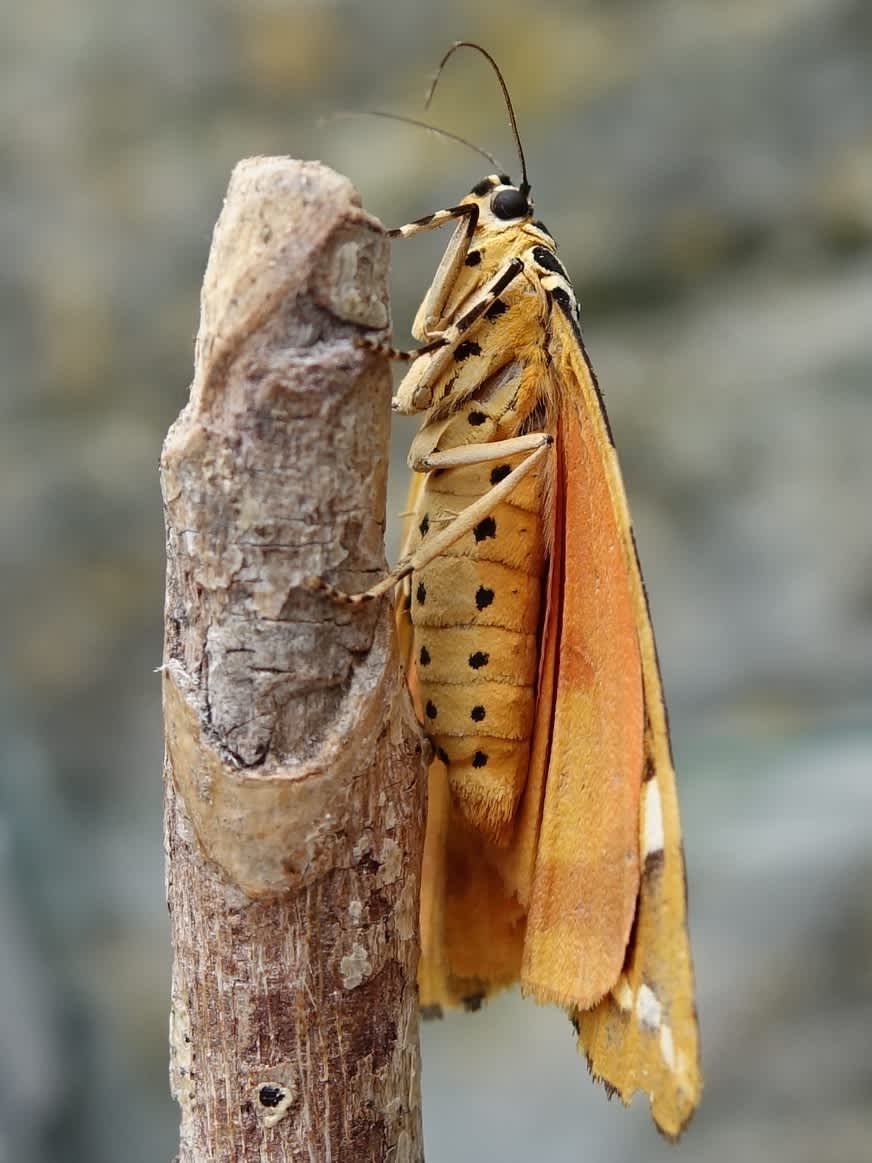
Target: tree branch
294, 788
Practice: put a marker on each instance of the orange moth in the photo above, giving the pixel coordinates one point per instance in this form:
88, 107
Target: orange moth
553, 852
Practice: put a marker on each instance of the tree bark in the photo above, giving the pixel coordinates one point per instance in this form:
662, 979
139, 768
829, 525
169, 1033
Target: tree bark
294, 784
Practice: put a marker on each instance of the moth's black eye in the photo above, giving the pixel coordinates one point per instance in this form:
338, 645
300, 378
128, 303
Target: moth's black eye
510, 204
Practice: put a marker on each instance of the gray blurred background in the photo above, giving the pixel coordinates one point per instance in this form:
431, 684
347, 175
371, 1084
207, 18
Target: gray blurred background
707, 170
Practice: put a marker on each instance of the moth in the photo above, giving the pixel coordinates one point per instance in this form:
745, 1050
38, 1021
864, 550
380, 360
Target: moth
553, 851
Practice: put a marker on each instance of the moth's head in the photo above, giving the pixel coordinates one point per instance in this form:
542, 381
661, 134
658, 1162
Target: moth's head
500, 202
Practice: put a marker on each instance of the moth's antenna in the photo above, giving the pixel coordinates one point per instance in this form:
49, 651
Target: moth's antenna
525, 185
422, 125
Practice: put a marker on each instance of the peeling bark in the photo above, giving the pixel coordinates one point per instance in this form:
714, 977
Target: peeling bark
294, 786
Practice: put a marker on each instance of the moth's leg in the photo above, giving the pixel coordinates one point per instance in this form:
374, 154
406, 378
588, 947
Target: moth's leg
535, 444
386, 351
468, 454
456, 331
450, 339
467, 210
458, 248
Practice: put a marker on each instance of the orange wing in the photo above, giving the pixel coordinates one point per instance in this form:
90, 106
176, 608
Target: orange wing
643, 1035
586, 877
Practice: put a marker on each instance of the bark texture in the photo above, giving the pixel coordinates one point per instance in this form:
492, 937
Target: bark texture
294, 787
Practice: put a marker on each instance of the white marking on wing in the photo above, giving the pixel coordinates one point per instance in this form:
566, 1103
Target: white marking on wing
652, 840
667, 1047
648, 1008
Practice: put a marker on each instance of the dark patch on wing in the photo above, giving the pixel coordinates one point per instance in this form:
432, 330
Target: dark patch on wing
654, 862
549, 261
566, 303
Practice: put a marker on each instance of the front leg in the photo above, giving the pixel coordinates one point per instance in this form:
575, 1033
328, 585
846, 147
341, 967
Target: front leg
446, 275
467, 210
535, 444
430, 313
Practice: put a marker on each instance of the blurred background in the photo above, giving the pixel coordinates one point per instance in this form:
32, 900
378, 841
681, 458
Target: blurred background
707, 170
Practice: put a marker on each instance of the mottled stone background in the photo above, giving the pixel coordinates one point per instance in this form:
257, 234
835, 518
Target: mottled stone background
708, 172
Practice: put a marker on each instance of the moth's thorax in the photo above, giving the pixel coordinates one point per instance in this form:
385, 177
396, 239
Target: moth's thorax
442, 382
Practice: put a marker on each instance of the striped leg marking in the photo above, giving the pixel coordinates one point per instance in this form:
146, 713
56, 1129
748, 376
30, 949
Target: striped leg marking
468, 210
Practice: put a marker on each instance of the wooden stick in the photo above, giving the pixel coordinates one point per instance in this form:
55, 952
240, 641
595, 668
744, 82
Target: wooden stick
294, 784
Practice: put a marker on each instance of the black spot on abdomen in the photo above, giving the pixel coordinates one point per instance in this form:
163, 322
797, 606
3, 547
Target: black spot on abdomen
485, 528
483, 597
